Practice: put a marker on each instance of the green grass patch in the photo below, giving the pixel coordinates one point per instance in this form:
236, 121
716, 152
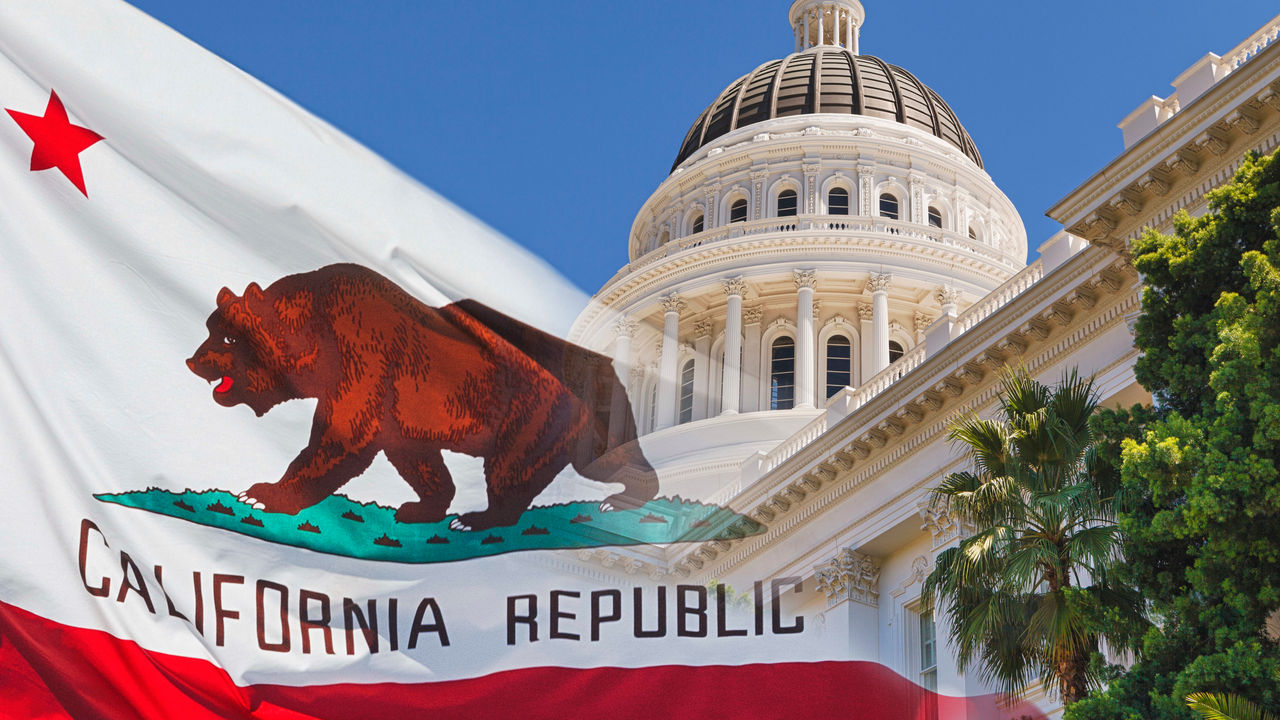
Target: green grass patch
341, 526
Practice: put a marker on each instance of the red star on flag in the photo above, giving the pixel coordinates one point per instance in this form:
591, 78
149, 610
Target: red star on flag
58, 143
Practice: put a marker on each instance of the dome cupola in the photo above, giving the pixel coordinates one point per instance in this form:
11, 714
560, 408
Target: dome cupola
827, 75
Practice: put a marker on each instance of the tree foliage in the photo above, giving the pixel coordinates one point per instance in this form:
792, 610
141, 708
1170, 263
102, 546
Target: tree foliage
1026, 593
1198, 473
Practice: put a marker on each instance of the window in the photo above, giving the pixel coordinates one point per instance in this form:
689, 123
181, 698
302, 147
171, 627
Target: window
928, 651
888, 206
973, 234
697, 225
782, 374
738, 211
895, 351
838, 201
839, 364
935, 218
787, 203
686, 392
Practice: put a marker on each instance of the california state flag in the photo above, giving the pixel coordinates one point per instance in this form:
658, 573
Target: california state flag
283, 434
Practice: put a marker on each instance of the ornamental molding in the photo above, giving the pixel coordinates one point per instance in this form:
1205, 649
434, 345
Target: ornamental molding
702, 328
850, 575
947, 295
804, 278
673, 303
638, 285
865, 313
837, 319
879, 282
752, 315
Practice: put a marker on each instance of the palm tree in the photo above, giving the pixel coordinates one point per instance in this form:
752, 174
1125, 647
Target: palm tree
1227, 706
1026, 592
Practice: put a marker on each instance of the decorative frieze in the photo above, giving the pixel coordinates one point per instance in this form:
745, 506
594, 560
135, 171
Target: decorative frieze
850, 575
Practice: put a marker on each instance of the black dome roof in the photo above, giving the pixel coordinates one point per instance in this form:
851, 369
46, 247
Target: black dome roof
827, 80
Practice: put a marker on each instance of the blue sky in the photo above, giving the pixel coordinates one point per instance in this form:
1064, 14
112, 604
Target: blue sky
553, 122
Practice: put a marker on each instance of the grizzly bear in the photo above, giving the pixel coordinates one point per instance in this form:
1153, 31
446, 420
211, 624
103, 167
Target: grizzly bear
394, 375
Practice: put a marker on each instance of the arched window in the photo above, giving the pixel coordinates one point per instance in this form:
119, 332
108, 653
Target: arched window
838, 201
935, 217
973, 234
895, 351
686, 392
782, 374
839, 364
888, 206
787, 203
697, 225
738, 211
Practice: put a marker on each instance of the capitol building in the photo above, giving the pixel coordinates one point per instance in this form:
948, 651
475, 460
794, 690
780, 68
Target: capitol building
828, 277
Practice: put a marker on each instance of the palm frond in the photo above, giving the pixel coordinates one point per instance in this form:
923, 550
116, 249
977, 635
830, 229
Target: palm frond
1224, 706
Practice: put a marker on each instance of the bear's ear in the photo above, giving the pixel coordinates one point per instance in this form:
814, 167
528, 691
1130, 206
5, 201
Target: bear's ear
225, 296
253, 292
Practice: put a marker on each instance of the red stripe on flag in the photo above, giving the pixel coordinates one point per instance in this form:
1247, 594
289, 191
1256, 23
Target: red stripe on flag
48, 670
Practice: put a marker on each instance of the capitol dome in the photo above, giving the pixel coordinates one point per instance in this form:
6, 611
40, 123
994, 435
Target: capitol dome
825, 214
827, 79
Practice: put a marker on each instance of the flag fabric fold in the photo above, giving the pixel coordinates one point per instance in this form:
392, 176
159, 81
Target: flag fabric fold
284, 434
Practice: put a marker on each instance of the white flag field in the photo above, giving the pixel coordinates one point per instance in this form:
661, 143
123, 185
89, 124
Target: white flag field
284, 434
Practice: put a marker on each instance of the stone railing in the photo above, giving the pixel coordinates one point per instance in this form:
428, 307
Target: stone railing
915, 357
830, 225
1253, 45
998, 298
793, 444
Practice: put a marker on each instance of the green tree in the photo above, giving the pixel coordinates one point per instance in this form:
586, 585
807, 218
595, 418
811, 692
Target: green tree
1201, 518
1028, 594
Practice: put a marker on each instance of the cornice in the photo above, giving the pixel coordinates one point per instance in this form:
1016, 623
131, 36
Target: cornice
1177, 163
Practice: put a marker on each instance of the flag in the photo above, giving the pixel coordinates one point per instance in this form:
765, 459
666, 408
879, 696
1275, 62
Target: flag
285, 434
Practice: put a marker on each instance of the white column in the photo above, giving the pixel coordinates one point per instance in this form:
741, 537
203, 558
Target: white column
751, 358
866, 354
731, 384
701, 369
667, 365
805, 340
879, 285
821, 12
848, 33
625, 329
806, 28
866, 186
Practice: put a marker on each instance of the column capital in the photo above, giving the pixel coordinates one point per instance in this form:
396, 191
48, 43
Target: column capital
673, 303
702, 328
752, 315
936, 518
625, 327
804, 278
850, 575
810, 168
735, 286
947, 295
864, 312
879, 282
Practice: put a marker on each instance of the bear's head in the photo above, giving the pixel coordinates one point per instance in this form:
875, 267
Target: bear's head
246, 355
